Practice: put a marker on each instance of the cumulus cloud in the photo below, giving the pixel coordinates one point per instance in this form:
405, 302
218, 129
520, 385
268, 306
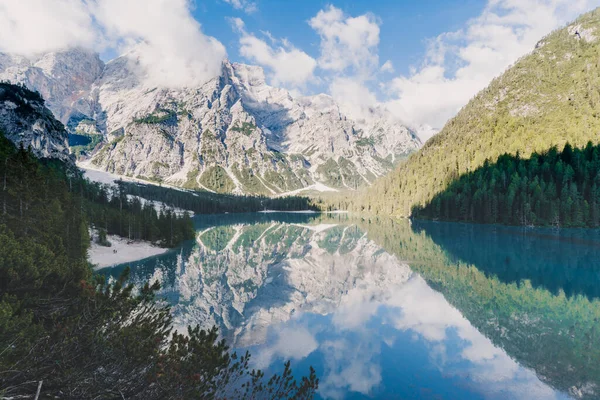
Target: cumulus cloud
247, 6
387, 67
347, 42
171, 46
58, 24
349, 57
353, 95
168, 42
287, 65
505, 31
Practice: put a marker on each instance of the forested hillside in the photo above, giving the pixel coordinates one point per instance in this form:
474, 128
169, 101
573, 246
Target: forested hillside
546, 99
70, 334
554, 188
113, 212
203, 202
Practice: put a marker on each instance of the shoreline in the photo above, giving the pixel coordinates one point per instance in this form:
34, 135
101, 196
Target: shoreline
126, 251
297, 212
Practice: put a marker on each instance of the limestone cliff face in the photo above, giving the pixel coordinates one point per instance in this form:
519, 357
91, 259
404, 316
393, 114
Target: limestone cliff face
234, 133
26, 121
60, 77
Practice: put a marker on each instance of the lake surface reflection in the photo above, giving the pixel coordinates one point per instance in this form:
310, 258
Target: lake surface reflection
390, 309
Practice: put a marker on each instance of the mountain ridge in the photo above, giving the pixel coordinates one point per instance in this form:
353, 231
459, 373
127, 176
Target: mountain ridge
26, 121
234, 133
546, 99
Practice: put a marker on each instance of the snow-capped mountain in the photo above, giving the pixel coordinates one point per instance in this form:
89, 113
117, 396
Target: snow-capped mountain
234, 133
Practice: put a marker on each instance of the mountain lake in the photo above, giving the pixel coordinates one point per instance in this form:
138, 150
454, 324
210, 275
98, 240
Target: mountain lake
395, 309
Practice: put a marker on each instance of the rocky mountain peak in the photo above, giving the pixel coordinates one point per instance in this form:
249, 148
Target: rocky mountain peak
234, 133
60, 77
248, 76
76, 65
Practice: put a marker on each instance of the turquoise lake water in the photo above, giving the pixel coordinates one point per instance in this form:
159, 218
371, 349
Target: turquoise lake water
395, 309
78, 140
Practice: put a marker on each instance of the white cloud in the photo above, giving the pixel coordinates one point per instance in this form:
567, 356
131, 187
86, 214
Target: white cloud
247, 6
505, 31
349, 58
169, 43
347, 42
387, 67
28, 27
288, 66
354, 96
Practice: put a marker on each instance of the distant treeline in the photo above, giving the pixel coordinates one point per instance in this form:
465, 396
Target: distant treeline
212, 203
555, 188
117, 214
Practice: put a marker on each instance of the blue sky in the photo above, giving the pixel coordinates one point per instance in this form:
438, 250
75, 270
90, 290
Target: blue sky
442, 52
420, 61
405, 25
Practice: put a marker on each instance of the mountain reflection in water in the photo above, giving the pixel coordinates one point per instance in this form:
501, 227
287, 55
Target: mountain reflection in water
383, 309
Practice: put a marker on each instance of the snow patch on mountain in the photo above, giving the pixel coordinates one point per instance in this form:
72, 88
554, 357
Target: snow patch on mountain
234, 133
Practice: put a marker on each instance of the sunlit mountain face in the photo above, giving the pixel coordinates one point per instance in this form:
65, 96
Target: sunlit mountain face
383, 308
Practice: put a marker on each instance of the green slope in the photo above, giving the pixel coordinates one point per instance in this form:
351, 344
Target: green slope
561, 189
547, 98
